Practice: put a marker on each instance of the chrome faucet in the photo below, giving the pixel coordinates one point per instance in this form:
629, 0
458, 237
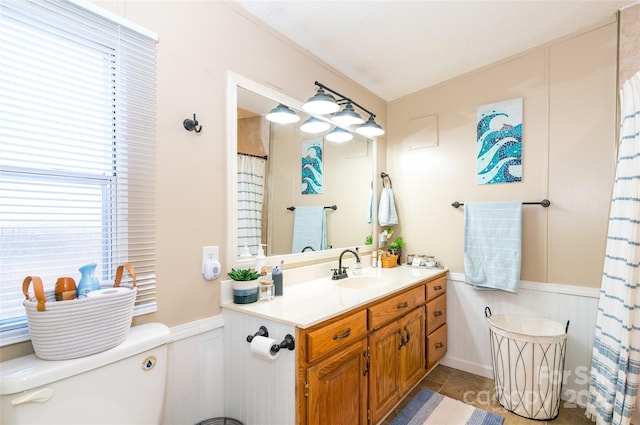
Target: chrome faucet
341, 272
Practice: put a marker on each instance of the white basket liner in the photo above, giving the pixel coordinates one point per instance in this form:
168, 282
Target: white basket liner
80, 327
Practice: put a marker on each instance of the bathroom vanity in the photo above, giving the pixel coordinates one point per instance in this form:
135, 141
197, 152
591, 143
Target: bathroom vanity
361, 344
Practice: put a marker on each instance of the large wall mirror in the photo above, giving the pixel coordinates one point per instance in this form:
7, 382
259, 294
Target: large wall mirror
269, 165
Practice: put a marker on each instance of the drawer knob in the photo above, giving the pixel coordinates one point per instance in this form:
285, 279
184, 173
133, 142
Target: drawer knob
437, 313
344, 335
403, 305
439, 345
437, 288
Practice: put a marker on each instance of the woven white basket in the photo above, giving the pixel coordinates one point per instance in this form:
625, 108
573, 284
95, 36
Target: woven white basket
62, 330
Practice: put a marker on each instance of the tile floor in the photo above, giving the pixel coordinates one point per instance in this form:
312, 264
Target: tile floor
455, 383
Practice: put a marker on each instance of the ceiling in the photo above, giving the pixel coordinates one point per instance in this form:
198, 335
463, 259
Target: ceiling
397, 47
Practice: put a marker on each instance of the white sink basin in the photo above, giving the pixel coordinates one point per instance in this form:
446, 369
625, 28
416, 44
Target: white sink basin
363, 282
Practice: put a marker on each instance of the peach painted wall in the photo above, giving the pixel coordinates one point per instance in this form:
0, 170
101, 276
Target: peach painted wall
199, 41
569, 146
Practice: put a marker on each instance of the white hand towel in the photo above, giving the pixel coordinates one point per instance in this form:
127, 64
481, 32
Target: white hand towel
492, 244
387, 215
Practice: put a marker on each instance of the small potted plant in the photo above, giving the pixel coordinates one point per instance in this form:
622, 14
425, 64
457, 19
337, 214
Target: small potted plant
396, 247
245, 285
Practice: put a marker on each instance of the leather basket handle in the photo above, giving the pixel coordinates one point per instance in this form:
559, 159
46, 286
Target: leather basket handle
120, 270
37, 288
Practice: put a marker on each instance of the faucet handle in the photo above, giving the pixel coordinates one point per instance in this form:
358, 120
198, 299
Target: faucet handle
335, 272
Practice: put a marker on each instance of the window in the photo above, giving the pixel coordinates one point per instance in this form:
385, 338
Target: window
77, 150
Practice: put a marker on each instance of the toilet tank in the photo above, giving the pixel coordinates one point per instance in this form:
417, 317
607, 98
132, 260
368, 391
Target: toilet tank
123, 385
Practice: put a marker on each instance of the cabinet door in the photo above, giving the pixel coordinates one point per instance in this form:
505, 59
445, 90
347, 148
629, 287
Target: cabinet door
412, 354
337, 393
384, 391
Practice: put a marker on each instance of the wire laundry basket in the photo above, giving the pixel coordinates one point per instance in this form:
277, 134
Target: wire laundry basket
528, 355
62, 330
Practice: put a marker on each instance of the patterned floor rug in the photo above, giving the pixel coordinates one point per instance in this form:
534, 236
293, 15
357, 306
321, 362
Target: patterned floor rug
430, 408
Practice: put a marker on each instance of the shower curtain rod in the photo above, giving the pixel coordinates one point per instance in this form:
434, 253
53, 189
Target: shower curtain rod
545, 203
253, 155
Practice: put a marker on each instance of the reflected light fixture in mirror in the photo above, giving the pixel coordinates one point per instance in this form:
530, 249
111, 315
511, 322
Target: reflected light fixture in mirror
339, 135
314, 126
282, 114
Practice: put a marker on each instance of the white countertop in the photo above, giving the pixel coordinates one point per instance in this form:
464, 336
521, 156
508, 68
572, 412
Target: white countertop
310, 302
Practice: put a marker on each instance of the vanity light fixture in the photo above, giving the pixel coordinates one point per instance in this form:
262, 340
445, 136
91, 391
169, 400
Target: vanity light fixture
314, 126
323, 103
370, 129
282, 114
339, 135
348, 116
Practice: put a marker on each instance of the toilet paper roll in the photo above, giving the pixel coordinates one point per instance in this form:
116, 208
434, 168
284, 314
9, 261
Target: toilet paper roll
107, 292
261, 346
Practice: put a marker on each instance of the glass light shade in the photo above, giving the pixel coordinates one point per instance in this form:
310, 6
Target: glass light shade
314, 126
370, 129
348, 116
339, 135
282, 114
321, 103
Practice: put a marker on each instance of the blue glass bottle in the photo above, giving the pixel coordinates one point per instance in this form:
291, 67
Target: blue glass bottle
88, 281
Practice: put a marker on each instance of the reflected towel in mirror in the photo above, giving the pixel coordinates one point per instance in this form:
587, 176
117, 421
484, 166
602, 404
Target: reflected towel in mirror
309, 229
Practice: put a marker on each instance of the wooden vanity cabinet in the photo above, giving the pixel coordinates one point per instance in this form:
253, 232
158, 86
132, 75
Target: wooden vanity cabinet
337, 388
397, 353
436, 321
355, 368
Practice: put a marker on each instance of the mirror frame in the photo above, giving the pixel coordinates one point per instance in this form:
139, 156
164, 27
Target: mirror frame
234, 81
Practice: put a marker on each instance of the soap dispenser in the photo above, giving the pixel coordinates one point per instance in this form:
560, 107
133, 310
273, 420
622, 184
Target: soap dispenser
260, 260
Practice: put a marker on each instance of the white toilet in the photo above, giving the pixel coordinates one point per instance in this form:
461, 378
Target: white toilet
123, 385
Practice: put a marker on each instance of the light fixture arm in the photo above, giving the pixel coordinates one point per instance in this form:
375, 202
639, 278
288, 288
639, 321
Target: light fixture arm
343, 98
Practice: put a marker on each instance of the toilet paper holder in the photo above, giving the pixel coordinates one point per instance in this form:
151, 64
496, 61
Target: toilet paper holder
262, 331
288, 342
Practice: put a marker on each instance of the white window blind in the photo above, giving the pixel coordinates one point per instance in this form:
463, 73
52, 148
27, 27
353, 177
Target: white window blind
77, 151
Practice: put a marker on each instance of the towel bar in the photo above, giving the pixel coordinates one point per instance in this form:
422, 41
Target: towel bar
332, 207
544, 203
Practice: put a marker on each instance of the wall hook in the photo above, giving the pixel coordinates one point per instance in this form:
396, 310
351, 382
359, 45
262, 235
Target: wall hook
192, 124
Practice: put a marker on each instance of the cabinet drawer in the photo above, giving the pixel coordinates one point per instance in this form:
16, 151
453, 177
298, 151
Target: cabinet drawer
388, 310
335, 335
436, 345
436, 312
436, 287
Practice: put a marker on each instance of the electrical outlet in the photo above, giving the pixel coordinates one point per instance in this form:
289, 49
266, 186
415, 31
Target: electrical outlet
209, 253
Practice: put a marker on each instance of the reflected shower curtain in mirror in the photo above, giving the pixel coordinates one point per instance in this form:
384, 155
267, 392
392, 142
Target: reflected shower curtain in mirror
250, 181
615, 365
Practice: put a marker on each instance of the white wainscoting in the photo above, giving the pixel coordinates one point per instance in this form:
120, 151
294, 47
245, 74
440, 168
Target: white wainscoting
468, 338
195, 373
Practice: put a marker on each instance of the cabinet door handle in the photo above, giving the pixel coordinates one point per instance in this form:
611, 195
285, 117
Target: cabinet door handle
437, 288
408, 334
368, 362
344, 335
437, 313
403, 305
439, 345
402, 340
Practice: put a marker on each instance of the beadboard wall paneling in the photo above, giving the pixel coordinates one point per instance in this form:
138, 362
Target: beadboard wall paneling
469, 348
258, 391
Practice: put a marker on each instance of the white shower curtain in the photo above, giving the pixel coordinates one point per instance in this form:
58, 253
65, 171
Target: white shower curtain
250, 199
615, 366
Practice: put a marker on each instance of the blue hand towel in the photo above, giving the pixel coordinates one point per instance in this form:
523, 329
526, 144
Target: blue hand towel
492, 244
309, 229
387, 215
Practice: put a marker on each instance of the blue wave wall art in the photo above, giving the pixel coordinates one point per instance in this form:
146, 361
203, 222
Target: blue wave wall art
499, 142
312, 167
